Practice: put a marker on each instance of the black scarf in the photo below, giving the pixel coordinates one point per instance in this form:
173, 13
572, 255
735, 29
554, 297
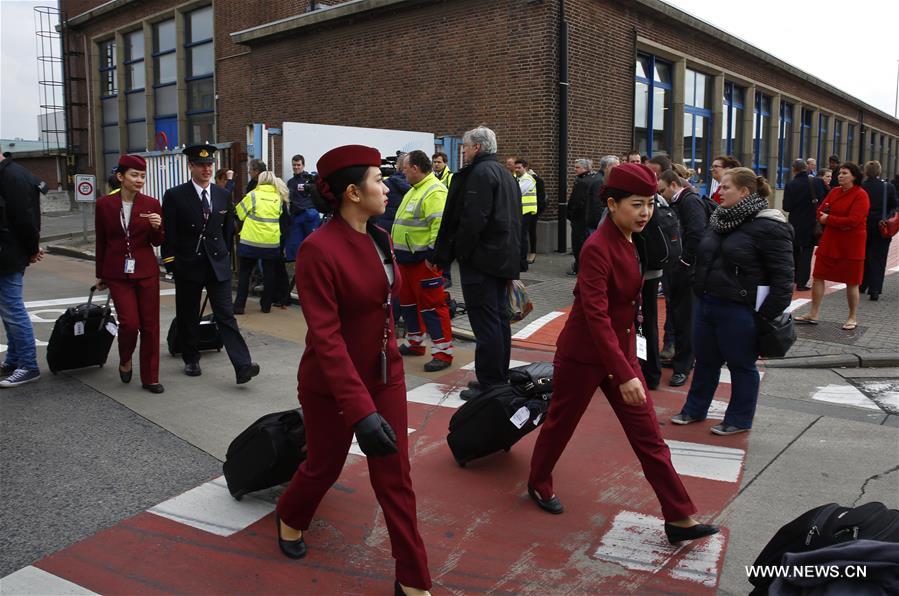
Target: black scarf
725, 220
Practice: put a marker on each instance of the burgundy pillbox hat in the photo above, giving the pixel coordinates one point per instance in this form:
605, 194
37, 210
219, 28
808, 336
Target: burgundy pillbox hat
634, 178
134, 162
343, 157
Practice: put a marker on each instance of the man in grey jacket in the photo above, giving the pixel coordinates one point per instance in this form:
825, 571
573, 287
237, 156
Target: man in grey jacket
481, 229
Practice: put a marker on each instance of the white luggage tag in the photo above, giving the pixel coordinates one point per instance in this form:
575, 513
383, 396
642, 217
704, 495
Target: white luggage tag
520, 417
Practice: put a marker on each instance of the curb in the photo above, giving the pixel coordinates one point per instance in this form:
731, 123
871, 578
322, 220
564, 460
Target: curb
463, 334
837, 361
67, 251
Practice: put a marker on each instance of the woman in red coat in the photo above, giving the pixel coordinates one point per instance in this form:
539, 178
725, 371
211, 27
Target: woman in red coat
841, 252
599, 347
350, 379
128, 225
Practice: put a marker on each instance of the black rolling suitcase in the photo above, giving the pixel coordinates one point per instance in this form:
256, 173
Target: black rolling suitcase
209, 336
500, 417
82, 336
265, 454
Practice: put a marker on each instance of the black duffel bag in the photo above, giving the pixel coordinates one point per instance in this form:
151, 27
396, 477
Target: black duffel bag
208, 335
775, 336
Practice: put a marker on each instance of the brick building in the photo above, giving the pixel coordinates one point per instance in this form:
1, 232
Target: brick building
641, 74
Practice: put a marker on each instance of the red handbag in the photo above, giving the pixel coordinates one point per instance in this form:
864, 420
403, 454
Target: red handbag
888, 226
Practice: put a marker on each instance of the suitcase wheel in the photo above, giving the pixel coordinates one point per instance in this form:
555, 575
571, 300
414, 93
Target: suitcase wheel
462, 464
218, 349
238, 495
506, 449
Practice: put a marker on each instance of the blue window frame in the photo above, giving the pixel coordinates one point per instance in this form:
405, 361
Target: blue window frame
652, 106
200, 83
823, 121
135, 91
732, 130
850, 139
837, 135
785, 143
109, 106
165, 84
698, 126
805, 136
760, 142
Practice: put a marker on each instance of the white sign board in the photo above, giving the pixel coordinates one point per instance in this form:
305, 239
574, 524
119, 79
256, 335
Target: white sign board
85, 188
314, 140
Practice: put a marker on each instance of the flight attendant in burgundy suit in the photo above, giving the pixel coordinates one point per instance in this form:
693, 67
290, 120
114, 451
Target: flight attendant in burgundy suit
599, 347
128, 225
350, 379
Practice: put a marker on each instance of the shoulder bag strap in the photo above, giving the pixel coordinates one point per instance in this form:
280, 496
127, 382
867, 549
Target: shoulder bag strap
884, 214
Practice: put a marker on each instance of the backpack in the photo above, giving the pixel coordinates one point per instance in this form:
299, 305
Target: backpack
709, 205
541, 193
825, 526
659, 244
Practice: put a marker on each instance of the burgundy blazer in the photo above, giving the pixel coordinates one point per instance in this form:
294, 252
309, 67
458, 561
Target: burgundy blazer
111, 238
343, 286
600, 329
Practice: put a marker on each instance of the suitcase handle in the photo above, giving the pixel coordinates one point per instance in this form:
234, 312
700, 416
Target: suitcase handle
106, 308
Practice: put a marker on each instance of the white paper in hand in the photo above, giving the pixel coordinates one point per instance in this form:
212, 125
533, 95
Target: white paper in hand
520, 417
761, 293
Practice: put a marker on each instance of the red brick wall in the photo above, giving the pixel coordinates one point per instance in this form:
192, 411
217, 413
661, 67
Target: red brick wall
43, 167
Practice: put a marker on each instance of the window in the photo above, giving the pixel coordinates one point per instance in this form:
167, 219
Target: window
135, 94
785, 143
109, 106
732, 130
805, 136
760, 123
165, 79
199, 76
850, 140
652, 106
837, 135
872, 145
821, 152
697, 125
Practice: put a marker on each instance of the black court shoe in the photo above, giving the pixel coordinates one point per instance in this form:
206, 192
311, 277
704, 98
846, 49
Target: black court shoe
397, 588
126, 376
677, 534
295, 549
153, 387
553, 504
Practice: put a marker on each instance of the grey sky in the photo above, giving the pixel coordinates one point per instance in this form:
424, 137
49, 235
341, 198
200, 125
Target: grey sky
855, 50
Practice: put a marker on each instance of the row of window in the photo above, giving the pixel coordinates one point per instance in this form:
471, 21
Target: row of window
653, 125
198, 81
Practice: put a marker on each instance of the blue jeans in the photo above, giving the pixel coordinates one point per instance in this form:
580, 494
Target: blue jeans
17, 323
724, 331
300, 227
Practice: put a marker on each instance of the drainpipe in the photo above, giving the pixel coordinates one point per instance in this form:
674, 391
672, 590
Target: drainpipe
563, 129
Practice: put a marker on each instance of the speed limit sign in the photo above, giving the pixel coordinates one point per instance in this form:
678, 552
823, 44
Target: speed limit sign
85, 188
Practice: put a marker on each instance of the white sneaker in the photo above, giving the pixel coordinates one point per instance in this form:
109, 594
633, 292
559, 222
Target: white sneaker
20, 377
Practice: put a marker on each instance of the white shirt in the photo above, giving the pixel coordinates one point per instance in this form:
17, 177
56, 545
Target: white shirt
388, 263
126, 209
200, 190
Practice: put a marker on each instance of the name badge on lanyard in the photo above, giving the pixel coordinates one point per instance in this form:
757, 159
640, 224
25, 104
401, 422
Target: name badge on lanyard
129, 259
641, 339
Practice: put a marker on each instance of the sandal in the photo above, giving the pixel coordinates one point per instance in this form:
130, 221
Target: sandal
806, 320
849, 326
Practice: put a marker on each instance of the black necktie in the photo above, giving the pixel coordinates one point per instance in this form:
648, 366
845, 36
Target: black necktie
206, 209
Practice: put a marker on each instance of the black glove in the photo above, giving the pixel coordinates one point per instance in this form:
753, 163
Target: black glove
374, 435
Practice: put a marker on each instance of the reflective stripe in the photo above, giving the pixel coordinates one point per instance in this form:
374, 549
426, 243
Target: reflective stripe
260, 244
263, 219
412, 223
413, 247
168, 259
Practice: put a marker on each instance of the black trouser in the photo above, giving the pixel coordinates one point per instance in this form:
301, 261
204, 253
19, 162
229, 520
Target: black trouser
877, 248
187, 310
681, 304
802, 260
578, 237
485, 298
247, 264
652, 366
532, 232
283, 287
526, 246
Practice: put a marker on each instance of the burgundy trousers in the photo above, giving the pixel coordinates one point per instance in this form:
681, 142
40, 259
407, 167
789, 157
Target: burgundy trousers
137, 308
573, 386
328, 441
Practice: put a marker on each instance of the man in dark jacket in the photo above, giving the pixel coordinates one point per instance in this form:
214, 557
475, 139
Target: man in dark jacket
801, 197
481, 229
596, 208
20, 228
691, 214
397, 187
577, 204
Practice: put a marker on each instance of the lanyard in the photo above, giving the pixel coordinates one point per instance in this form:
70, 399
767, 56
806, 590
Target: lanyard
125, 229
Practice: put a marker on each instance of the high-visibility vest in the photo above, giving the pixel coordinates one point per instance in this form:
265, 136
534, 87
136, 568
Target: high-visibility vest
261, 211
446, 177
528, 186
419, 215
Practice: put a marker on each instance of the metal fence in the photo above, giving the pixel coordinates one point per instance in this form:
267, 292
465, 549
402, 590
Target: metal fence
166, 169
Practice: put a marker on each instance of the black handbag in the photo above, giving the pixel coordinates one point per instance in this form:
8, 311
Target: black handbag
775, 337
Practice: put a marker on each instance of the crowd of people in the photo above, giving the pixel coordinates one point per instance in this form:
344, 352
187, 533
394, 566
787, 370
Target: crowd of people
726, 263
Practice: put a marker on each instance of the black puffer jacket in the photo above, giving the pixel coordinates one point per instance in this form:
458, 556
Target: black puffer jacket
481, 224
758, 253
577, 202
20, 218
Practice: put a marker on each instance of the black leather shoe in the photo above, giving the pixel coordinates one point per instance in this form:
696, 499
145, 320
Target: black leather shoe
126, 376
474, 385
677, 534
153, 387
874, 297
192, 369
398, 589
295, 549
467, 394
265, 310
435, 364
239, 310
678, 379
247, 372
553, 505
